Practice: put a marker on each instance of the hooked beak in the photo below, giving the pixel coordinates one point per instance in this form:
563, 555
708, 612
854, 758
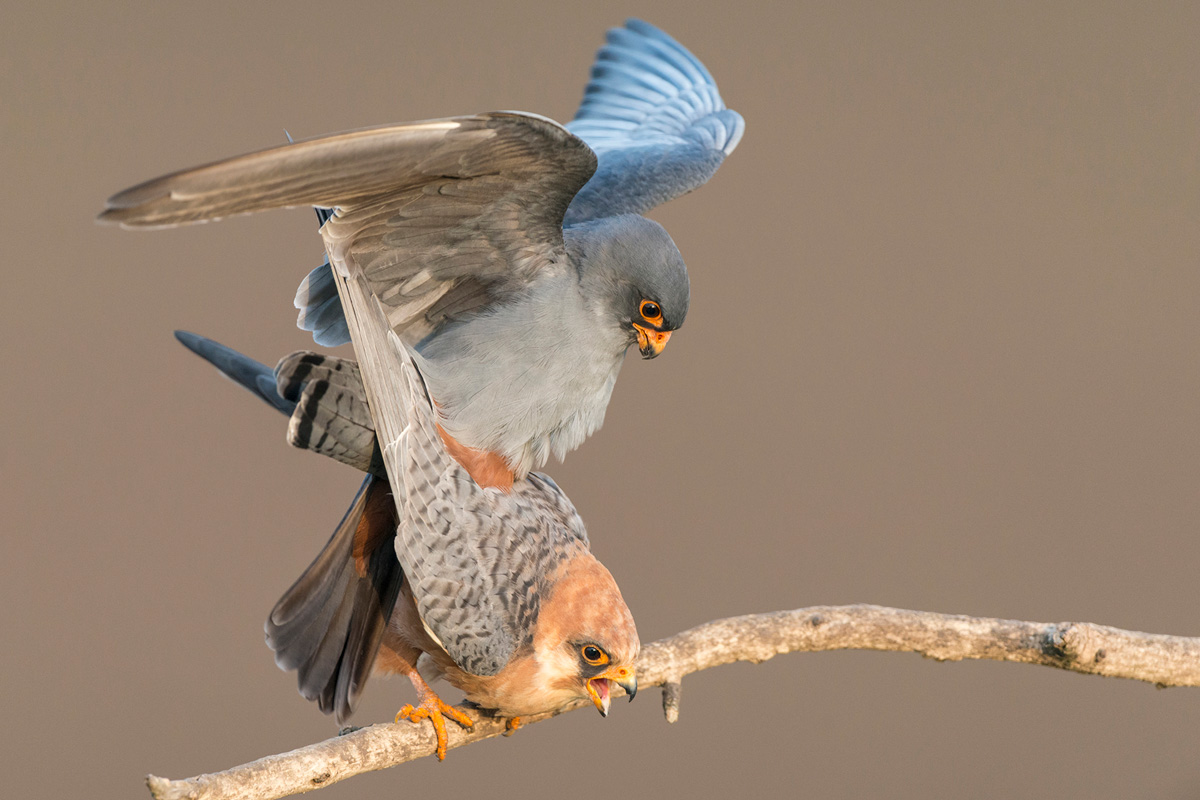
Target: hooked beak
650, 341
599, 688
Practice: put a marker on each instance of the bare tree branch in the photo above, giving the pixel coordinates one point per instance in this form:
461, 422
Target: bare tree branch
1075, 646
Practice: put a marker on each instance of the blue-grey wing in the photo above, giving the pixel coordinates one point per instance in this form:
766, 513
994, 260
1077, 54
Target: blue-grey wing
318, 303
655, 119
653, 116
320, 308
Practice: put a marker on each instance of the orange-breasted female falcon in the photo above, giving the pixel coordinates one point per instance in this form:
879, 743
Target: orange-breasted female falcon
497, 592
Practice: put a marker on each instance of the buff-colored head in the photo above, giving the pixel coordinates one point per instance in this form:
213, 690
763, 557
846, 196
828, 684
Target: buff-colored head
587, 642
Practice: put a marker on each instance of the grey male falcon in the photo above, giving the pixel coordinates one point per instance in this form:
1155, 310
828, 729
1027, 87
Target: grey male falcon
507, 251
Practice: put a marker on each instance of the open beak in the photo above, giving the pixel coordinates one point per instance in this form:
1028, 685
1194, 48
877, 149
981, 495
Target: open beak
599, 688
650, 341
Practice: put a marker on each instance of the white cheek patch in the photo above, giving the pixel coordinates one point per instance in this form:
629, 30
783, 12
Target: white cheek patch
554, 664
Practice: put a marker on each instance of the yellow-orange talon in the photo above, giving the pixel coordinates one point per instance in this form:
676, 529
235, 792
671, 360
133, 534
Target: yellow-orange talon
511, 725
432, 708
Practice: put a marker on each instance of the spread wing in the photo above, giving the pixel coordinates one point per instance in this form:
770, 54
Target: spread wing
477, 560
441, 217
653, 115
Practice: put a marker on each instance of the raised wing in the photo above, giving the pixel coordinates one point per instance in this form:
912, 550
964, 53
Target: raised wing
653, 114
477, 560
442, 217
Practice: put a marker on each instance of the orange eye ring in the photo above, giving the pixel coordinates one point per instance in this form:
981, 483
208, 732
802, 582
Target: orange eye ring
651, 312
593, 655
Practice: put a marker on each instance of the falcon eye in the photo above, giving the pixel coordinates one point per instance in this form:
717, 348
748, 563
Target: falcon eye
651, 312
594, 655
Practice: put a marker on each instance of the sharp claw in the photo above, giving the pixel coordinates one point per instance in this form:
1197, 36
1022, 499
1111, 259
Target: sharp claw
433, 709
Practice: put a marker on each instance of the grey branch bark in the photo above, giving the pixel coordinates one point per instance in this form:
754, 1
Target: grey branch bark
1075, 646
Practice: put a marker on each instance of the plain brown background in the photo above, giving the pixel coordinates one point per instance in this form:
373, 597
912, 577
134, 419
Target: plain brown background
942, 354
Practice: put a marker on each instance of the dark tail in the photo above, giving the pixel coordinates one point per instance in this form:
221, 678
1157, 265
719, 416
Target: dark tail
323, 394
258, 378
329, 624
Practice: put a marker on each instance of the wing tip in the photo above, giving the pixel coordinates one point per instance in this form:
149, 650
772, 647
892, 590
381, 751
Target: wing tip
646, 29
134, 207
192, 341
739, 129
188, 196
119, 216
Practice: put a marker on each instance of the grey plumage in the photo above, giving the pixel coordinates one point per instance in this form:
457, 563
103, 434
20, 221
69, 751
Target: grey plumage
332, 417
478, 561
442, 218
520, 324
654, 117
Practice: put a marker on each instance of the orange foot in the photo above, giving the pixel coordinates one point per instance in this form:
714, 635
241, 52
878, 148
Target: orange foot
511, 725
432, 708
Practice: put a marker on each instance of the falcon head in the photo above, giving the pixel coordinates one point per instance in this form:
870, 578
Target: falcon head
587, 642
599, 674
632, 273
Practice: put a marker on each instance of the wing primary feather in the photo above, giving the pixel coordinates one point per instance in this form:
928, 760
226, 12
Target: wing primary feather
654, 116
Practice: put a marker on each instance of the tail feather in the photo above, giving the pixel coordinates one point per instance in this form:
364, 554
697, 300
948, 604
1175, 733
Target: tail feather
323, 394
243, 370
317, 677
304, 607
332, 416
328, 626
301, 367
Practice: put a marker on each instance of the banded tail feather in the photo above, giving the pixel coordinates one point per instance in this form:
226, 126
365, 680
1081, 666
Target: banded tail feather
329, 624
323, 395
